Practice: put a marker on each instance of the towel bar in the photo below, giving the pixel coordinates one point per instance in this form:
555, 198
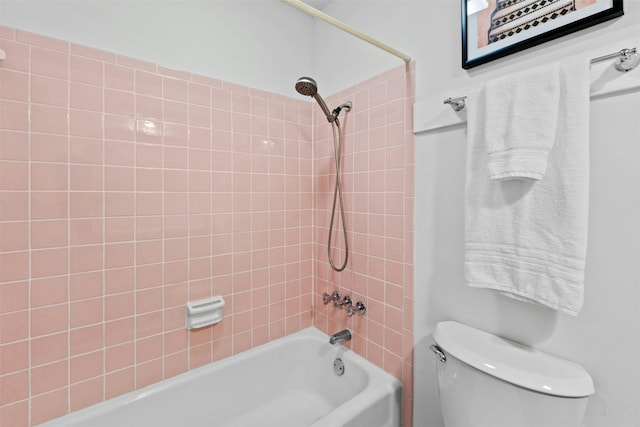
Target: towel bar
628, 59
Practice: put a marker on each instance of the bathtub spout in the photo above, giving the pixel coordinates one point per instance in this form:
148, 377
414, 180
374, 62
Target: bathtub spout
339, 337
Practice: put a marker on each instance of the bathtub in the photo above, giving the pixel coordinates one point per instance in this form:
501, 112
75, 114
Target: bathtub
288, 382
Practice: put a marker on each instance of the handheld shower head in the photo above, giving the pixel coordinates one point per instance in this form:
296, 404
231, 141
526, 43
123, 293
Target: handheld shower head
308, 87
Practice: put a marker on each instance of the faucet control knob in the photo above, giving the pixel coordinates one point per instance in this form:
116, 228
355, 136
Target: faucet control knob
346, 302
335, 296
326, 298
358, 308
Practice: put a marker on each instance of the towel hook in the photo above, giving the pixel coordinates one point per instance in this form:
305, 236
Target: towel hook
457, 103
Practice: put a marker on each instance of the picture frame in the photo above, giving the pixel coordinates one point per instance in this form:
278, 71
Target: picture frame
493, 29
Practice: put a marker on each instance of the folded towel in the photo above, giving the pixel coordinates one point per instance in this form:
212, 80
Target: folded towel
525, 238
521, 113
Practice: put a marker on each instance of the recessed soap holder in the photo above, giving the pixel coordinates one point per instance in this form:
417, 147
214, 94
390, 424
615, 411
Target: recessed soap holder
204, 312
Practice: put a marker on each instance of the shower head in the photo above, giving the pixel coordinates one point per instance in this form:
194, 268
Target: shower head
308, 87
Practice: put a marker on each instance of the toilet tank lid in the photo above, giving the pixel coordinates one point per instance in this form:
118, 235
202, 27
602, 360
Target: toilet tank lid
513, 362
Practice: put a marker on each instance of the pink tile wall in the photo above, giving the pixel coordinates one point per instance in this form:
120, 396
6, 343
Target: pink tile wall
378, 191
127, 189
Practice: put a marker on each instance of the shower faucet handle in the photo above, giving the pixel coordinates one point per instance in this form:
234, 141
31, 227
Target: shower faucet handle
346, 302
358, 308
326, 298
335, 297
337, 301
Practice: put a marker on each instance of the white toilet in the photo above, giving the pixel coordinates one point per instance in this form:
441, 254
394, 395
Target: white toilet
488, 381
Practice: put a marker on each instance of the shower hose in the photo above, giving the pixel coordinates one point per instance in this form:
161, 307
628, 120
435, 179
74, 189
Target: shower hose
337, 197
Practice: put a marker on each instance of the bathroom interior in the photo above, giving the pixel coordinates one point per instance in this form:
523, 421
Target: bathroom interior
156, 153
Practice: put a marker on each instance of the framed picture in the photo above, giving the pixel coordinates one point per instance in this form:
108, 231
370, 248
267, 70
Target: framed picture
493, 29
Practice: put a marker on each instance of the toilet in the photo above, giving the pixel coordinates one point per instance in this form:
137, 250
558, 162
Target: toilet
488, 381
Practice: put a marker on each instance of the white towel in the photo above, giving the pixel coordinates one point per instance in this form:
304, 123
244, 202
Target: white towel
526, 238
521, 113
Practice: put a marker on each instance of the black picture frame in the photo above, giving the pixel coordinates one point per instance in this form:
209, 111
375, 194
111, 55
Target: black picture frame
507, 40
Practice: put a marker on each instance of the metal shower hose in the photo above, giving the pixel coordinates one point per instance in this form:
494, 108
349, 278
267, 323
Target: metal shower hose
337, 194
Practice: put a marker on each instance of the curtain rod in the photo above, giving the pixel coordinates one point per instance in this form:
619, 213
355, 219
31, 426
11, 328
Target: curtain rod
303, 7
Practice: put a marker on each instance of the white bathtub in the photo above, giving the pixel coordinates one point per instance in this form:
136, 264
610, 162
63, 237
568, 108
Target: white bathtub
289, 382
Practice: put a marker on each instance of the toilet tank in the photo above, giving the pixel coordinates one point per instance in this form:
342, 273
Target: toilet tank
488, 381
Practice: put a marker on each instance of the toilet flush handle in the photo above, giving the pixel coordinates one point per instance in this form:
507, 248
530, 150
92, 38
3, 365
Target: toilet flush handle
438, 351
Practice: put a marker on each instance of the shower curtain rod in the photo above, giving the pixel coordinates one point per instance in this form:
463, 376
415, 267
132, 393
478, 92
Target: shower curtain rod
303, 7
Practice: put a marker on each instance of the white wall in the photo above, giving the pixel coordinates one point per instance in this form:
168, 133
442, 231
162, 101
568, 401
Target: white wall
258, 43
605, 338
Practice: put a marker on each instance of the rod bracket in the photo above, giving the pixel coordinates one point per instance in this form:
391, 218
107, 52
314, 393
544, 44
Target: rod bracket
628, 60
457, 104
